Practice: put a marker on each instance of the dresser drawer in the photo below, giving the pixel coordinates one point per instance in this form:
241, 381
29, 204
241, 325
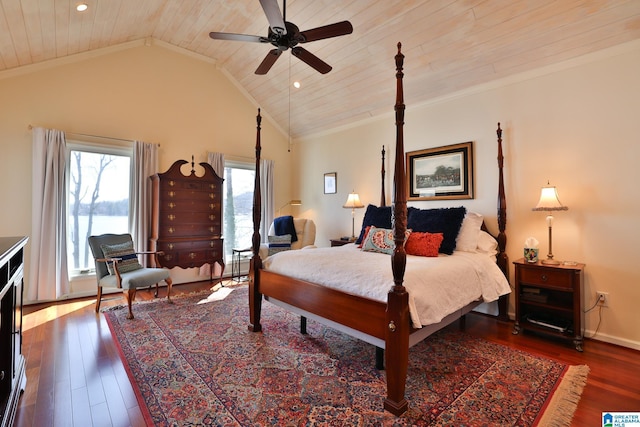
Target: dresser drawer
183, 185
188, 204
187, 254
170, 195
175, 217
189, 230
546, 277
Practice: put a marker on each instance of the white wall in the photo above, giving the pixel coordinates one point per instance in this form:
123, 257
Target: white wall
575, 125
154, 94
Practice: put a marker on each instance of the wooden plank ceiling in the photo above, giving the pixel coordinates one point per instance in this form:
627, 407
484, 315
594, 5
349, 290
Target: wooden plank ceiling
450, 45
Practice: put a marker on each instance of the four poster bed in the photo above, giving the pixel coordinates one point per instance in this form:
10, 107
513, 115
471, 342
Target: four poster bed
395, 319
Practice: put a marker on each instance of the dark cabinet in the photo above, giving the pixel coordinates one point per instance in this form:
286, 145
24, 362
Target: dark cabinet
12, 362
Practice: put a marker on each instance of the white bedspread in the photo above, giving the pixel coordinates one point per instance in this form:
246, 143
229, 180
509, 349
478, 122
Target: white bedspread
436, 286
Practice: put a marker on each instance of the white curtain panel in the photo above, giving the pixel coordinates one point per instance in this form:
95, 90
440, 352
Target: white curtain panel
48, 276
145, 164
266, 190
216, 160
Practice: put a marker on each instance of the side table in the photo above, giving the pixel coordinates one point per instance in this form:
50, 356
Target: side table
340, 242
549, 299
237, 255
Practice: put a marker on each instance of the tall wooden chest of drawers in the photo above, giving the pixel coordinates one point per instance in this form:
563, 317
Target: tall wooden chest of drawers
186, 221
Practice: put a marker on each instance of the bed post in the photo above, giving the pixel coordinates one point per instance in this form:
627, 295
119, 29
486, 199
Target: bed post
503, 259
397, 332
383, 197
255, 297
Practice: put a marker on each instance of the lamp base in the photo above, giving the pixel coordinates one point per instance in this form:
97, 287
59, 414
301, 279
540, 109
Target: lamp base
550, 261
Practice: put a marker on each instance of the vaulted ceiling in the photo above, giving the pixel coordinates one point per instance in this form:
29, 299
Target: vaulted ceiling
450, 45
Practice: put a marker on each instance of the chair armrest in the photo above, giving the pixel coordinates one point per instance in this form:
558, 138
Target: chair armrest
150, 252
108, 259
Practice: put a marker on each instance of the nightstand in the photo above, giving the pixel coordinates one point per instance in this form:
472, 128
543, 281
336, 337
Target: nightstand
340, 242
549, 299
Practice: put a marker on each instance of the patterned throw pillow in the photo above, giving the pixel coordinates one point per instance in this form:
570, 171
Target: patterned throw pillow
381, 240
376, 216
423, 244
124, 251
279, 243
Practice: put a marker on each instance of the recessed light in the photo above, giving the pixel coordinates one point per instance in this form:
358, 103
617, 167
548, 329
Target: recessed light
81, 7
296, 85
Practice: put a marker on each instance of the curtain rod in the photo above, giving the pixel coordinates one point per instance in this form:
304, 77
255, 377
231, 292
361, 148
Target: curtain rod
96, 136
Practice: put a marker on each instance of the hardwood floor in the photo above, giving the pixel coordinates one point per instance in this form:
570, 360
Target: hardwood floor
75, 376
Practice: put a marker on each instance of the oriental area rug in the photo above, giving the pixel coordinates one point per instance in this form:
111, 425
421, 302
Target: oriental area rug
194, 363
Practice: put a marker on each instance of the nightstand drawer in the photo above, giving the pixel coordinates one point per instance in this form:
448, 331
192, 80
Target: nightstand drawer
547, 277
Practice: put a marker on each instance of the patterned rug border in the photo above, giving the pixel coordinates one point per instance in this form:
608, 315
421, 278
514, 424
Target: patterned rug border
557, 410
173, 297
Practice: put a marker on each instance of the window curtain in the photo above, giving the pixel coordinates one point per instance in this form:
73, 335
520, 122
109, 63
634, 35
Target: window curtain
216, 160
145, 164
266, 191
48, 276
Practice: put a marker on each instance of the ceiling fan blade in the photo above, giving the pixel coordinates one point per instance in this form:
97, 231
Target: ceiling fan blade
268, 61
326, 32
274, 16
237, 37
310, 59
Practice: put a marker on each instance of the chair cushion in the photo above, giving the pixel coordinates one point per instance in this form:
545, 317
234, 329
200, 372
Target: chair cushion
141, 278
124, 251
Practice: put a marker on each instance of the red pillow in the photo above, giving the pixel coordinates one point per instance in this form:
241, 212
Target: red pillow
423, 244
364, 236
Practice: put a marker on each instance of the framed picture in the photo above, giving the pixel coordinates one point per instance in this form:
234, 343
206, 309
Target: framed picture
330, 184
440, 173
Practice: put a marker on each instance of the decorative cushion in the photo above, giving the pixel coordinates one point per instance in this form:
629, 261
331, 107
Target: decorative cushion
381, 240
467, 240
279, 243
364, 237
377, 216
124, 251
445, 220
423, 244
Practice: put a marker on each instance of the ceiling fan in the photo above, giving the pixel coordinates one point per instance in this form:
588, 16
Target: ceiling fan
286, 35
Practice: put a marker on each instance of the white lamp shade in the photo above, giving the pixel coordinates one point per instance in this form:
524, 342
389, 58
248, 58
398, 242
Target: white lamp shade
549, 200
353, 201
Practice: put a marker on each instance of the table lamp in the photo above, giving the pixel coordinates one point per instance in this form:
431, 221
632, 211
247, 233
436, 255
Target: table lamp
353, 202
549, 202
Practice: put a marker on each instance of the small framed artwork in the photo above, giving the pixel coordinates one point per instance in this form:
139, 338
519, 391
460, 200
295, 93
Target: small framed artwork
440, 173
330, 184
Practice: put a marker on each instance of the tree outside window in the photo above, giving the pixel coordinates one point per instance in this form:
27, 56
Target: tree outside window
98, 201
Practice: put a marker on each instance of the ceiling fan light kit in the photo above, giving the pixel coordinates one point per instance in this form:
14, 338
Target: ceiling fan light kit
284, 35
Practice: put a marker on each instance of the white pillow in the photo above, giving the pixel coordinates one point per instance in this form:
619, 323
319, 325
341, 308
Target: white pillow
487, 244
469, 233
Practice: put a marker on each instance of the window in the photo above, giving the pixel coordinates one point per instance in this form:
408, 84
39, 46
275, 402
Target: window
99, 179
237, 206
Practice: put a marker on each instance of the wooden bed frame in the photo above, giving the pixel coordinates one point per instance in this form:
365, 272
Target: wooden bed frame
387, 325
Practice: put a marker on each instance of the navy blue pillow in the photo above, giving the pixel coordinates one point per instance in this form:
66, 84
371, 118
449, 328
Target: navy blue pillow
377, 216
446, 221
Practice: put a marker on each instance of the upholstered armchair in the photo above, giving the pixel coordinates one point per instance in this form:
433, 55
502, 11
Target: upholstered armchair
117, 266
305, 230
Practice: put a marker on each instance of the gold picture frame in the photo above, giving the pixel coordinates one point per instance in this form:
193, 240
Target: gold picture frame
440, 173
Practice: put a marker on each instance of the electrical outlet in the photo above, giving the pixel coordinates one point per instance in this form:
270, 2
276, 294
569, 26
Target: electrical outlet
603, 298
